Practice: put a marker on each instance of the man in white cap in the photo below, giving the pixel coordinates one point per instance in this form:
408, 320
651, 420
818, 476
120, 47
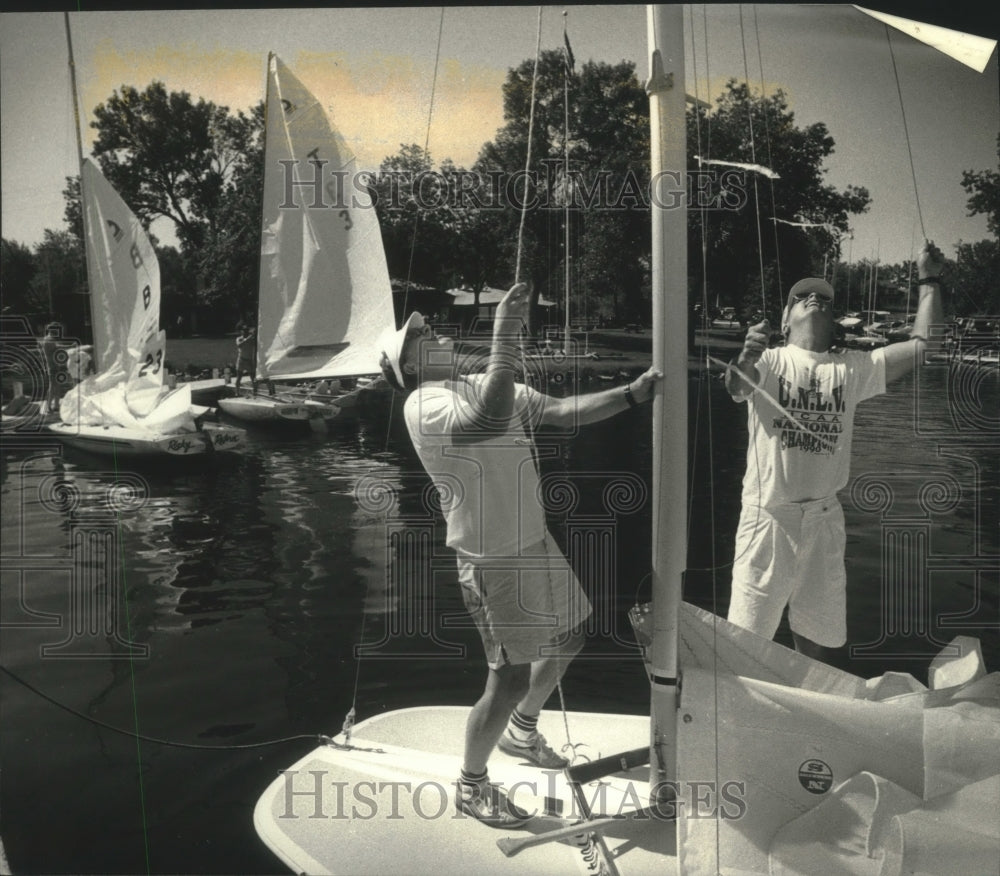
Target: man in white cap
473, 434
801, 400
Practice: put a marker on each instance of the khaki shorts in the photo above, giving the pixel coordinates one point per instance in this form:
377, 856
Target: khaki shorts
524, 607
792, 555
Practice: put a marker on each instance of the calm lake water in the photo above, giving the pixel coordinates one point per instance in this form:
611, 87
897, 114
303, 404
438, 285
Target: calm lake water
243, 587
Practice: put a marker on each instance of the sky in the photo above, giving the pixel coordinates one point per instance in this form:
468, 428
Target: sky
374, 69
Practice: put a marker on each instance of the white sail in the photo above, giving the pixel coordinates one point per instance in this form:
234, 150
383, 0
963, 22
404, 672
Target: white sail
967, 48
129, 345
125, 298
325, 295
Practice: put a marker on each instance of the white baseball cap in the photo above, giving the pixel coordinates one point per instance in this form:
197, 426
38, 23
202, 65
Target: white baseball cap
392, 342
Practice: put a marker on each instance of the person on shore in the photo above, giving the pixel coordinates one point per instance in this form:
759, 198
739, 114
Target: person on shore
246, 351
801, 399
53, 363
476, 431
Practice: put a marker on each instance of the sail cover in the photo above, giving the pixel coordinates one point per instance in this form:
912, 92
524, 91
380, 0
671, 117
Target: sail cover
788, 766
325, 296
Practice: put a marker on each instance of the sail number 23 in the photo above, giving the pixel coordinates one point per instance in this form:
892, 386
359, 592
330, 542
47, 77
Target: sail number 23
152, 362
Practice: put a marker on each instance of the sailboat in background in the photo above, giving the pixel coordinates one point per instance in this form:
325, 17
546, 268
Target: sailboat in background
753, 759
324, 293
125, 409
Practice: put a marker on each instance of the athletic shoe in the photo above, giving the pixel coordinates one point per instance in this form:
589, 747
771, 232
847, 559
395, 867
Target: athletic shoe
487, 803
534, 749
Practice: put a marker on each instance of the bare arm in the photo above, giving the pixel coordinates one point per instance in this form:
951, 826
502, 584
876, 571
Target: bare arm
757, 339
493, 405
901, 358
579, 410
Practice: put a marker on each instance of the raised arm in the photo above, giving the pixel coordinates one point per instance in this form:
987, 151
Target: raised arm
493, 405
901, 357
743, 375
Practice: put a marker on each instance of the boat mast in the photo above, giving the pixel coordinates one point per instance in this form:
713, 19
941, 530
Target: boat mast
566, 186
668, 190
259, 357
98, 353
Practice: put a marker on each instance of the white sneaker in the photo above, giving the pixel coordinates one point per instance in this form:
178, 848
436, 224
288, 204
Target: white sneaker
534, 749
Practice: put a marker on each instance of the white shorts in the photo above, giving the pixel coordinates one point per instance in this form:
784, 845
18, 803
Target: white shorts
524, 607
792, 555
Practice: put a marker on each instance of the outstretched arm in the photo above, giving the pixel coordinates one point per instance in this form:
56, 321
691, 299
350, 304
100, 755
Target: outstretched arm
579, 410
900, 358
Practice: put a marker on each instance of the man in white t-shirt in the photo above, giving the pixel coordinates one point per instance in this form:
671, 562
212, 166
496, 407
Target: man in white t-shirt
474, 436
801, 400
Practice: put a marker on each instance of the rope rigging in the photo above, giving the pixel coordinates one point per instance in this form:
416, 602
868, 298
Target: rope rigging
348, 724
906, 132
142, 737
767, 141
569, 747
753, 154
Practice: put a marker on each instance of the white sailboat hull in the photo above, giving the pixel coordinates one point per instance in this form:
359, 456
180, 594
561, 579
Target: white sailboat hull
348, 399
781, 760
210, 390
122, 441
262, 409
355, 826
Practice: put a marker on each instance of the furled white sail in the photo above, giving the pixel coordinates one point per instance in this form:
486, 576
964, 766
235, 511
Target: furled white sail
129, 345
126, 294
325, 295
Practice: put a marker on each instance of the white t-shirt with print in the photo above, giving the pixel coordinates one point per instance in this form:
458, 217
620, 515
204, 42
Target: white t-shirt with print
800, 432
489, 488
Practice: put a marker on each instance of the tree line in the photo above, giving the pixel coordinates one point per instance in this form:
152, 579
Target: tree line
200, 166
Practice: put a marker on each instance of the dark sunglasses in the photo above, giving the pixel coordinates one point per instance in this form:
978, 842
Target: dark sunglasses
822, 296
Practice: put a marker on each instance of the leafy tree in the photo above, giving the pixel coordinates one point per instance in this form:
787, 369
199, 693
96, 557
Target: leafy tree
983, 188
170, 156
198, 165
609, 173
736, 249
978, 265
73, 208
974, 278
411, 200
178, 288
61, 280
227, 265
438, 226
18, 267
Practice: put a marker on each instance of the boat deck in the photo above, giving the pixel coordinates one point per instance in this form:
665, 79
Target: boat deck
387, 804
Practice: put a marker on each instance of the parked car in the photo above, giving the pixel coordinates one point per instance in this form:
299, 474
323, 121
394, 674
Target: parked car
901, 329
726, 319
